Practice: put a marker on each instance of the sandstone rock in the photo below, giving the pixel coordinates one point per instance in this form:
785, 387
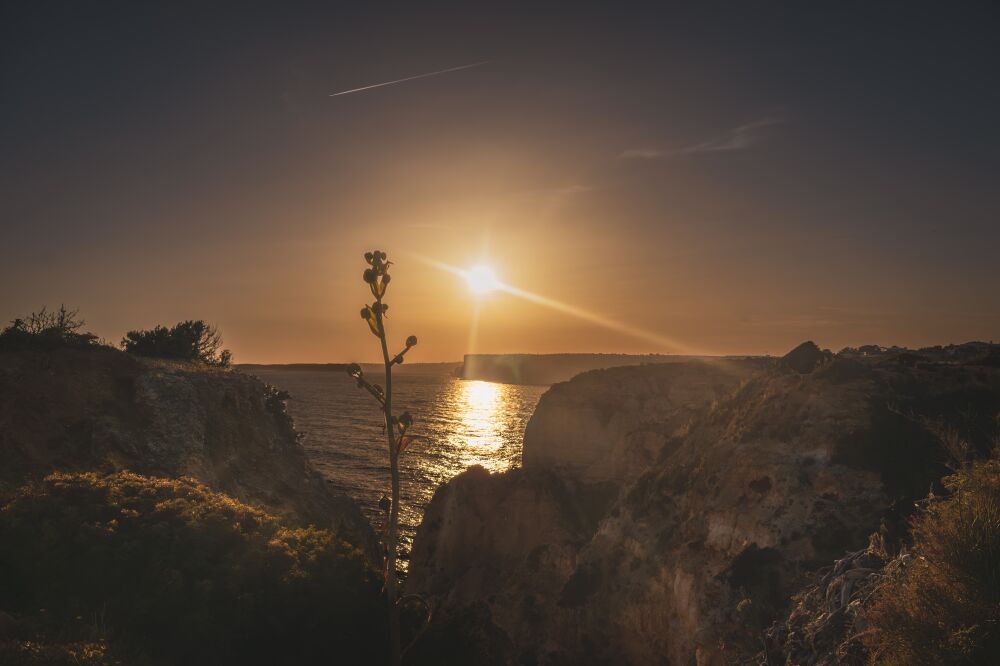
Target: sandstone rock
610, 425
101, 409
702, 550
805, 358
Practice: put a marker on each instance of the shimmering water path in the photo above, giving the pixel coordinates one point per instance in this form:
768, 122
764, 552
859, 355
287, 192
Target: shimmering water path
466, 423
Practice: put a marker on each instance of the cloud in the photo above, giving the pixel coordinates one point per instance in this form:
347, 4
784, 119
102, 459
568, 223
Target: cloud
738, 138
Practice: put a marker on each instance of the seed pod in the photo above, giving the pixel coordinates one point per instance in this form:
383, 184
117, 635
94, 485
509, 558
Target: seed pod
411, 341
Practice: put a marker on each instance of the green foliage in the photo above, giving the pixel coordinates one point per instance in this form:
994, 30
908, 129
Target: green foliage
186, 341
185, 575
46, 330
944, 606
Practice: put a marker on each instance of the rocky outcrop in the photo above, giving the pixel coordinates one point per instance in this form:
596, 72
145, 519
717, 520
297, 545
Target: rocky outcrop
700, 551
101, 409
805, 358
610, 425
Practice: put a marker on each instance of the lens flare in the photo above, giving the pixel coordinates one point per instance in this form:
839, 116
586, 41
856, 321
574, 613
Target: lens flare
482, 280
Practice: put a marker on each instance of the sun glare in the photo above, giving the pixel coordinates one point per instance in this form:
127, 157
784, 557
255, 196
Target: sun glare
481, 280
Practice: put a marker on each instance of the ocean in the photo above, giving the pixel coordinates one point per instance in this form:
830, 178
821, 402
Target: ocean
465, 422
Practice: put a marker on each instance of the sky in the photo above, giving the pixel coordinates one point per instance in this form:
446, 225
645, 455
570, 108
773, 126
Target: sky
700, 178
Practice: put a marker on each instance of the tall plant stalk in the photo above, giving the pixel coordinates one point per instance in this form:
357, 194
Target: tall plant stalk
377, 277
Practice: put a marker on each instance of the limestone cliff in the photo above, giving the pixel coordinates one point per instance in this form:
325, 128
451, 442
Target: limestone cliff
101, 409
741, 499
610, 425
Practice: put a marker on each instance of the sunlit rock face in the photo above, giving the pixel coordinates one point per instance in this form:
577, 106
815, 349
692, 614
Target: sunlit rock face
610, 425
101, 409
702, 549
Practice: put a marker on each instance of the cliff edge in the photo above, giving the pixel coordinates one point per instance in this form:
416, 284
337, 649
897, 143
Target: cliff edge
100, 409
750, 485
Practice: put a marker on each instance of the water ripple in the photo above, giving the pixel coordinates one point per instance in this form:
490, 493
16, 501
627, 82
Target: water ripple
466, 423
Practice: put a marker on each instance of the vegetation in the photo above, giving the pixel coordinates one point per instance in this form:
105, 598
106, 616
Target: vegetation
397, 438
46, 330
168, 571
186, 341
943, 606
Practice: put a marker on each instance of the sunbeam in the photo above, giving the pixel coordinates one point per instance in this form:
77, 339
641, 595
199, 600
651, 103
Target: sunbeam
482, 280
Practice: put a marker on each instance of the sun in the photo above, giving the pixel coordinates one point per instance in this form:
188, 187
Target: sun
481, 280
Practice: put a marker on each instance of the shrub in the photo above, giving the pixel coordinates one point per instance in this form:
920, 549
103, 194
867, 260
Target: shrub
944, 606
185, 575
46, 330
186, 341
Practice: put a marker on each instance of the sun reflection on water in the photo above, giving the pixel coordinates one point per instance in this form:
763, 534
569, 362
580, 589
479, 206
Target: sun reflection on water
481, 411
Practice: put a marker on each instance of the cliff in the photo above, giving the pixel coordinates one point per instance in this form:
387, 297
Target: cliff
748, 486
609, 425
99, 409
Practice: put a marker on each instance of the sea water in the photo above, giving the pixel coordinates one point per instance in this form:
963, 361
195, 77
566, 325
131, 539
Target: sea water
462, 423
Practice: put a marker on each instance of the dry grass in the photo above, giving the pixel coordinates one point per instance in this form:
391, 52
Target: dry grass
944, 606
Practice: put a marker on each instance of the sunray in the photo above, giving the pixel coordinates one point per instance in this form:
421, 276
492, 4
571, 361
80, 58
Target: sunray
663, 342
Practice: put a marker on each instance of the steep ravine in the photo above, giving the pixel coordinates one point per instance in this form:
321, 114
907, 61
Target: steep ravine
666, 514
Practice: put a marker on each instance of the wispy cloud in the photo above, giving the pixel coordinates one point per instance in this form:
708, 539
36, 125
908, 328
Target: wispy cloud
410, 78
738, 138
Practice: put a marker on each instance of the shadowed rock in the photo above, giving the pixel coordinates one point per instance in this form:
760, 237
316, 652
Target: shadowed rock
704, 545
101, 409
805, 358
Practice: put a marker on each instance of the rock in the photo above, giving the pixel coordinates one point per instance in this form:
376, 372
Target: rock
101, 409
610, 425
701, 550
805, 358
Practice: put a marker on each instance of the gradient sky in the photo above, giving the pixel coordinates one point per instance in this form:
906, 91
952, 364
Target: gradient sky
734, 178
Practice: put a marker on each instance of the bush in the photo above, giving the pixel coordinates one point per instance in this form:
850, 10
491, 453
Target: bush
176, 572
46, 330
186, 341
944, 606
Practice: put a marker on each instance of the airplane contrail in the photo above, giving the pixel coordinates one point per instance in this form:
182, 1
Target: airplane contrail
410, 78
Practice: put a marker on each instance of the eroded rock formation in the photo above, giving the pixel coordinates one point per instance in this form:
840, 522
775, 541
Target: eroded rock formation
745, 495
101, 409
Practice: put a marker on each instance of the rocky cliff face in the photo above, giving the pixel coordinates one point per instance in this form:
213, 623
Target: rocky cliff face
101, 409
610, 425
703, 547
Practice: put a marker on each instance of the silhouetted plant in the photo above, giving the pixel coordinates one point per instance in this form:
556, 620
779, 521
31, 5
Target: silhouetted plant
186, 341
398, 438
47, 330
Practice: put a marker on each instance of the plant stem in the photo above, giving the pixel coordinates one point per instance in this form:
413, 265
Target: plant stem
392, 535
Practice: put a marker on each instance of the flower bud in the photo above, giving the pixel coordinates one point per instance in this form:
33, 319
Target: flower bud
411, 341
365, 312
369, 276
369, 257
